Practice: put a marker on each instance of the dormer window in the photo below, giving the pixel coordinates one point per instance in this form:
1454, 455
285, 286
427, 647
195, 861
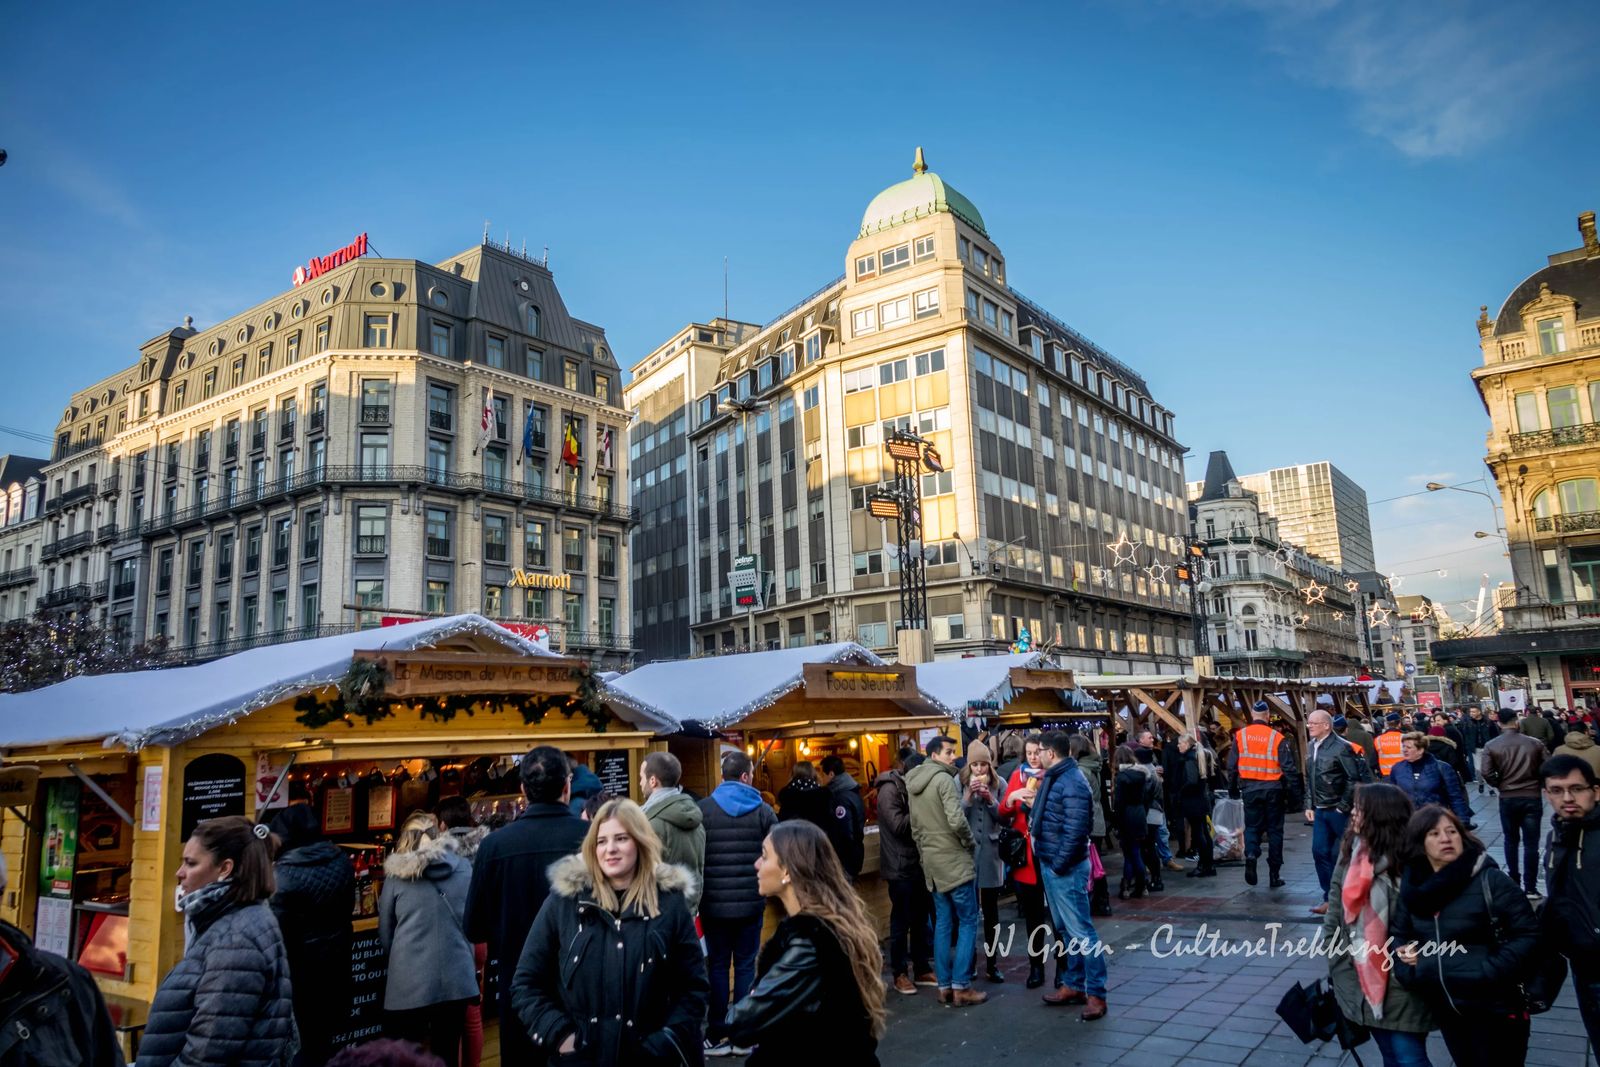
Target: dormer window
535, 320
1552, 336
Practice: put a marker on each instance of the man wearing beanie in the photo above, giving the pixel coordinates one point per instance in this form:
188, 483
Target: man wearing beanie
1264, 761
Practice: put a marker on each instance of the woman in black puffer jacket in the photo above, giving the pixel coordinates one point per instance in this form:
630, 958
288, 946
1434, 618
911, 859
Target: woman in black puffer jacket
1466, 938
315, 885
1133, 793
227, 1002
612, 972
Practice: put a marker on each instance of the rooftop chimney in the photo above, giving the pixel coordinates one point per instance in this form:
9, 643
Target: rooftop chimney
1591, 244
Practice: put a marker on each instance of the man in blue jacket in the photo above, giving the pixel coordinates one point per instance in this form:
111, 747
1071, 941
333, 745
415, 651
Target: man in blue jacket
1062, 818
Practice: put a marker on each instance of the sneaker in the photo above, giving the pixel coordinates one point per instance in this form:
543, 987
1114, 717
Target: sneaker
740, 1050
718, 1048
927, 978
903, 984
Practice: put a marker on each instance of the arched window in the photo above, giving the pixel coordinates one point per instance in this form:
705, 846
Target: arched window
1541, 504
1579, 496
534, 318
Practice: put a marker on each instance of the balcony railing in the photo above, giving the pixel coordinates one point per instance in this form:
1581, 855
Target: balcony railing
440, 420
494, 553
286, 429
375, 474
375, 414
230, 451
75, 494
371, 544
71, 543
217, 649
63, 451
1547, 616
72, 594
316, 421
439, 546
106, 533
110, 486
17, 576
258, 441
572, 639
1574, 523
1583, 434
122, 590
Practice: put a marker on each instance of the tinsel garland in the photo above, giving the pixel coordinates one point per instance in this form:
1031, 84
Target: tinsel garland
361, 695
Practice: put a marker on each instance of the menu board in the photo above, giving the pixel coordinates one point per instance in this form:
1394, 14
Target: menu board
213, 786
380, 807
369, 969
338, 811
612, 770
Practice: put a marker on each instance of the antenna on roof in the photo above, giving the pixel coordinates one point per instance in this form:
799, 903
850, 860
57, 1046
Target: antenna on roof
546, 257
485, 231
724, 289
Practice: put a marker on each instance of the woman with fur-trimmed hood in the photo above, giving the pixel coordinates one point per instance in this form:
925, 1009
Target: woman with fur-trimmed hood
612, 972
431, 975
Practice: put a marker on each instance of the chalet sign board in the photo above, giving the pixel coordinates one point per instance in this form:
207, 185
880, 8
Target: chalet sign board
419, 674
845, 681
1040, 678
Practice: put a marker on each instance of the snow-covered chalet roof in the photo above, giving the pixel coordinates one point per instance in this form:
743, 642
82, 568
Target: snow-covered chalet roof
949, 684
718, 691
166, 707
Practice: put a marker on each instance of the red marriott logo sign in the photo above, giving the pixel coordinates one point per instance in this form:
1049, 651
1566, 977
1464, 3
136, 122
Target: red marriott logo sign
317, 266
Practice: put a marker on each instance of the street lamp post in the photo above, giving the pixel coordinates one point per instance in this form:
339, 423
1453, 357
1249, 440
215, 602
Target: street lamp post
1434, 487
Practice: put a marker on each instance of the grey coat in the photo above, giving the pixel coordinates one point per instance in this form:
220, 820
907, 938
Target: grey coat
1402, 1009
985, 821
419, 924
1090, 766
228, 1001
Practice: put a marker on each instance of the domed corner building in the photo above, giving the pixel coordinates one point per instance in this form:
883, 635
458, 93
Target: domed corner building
755, 523
1540, 383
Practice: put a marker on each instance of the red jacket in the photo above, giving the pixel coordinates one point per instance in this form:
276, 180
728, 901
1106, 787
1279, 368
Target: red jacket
1011, 805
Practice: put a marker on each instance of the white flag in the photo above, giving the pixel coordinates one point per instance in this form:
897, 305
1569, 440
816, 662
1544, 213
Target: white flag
486, 429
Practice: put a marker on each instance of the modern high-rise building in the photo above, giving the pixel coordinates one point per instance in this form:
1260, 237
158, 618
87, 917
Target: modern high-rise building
1540, 385
1318, 507
1058, 510
387, 438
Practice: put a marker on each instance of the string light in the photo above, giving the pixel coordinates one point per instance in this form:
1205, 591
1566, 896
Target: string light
1314, 592
1123, 550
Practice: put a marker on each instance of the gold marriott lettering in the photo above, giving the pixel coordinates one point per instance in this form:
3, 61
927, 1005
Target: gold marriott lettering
529, 580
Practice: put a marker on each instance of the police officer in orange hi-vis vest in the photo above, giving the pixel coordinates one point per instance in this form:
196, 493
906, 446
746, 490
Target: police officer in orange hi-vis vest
1388, 744
1263, 763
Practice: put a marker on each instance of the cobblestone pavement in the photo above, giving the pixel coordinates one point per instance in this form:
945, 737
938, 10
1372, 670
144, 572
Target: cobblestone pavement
1163, 1010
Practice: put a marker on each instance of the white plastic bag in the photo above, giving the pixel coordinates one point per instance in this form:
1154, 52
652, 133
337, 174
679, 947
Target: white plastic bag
1227, 827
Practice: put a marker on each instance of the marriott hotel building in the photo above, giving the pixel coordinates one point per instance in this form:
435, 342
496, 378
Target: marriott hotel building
316, 463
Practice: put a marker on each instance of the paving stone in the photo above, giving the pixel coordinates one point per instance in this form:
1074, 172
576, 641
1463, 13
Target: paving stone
1169, 1045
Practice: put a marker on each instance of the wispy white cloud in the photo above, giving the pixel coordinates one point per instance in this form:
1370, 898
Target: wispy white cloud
1444, 477
1432, 77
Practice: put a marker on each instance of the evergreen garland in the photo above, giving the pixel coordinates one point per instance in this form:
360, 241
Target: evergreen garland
362, 694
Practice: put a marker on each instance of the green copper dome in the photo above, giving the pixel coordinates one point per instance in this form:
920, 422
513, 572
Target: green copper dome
921, 195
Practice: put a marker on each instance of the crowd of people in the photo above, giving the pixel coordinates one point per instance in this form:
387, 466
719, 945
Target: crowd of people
614, 932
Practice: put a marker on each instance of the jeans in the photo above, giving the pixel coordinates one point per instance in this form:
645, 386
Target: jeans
1163, 843
1487, 1040
958, 909
1520, 821
1133, 845
1326, 834
1401, 1048
910, 926
1069, 907
729, 939
1587, 986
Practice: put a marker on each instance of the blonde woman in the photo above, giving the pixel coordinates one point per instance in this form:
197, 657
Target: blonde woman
612, 972
819, 974
1194, 801
432, 978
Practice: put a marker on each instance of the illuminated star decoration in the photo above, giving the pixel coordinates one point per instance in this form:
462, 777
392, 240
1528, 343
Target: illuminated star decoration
1338, 616
1395, 580
1122, 550
1157, 571
1314, 592
1283, 555
1304, 618
1351, 586
1377, 615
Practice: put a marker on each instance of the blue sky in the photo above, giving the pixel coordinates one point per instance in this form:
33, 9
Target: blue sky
1284, 213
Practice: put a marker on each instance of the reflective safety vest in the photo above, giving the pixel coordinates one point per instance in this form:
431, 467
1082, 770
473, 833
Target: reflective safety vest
1388, 751
1360, 751
1257, 748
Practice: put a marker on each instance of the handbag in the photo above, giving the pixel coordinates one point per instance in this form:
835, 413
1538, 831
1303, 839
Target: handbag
1013, 847
1097, 869
1312, 1012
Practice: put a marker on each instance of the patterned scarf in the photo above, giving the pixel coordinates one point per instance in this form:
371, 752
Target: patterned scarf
1365, 899
201, 908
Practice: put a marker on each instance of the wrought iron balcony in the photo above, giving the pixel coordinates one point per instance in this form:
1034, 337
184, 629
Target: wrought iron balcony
70, 497
440, 420
71, 543
316, 421
438, 546
286, 429
72, 594
64, 450
371, 545
218, 649
258, 441
106, 533
375, 414
1587, 433
110, 486
18, 576
122, 590
1574, 523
